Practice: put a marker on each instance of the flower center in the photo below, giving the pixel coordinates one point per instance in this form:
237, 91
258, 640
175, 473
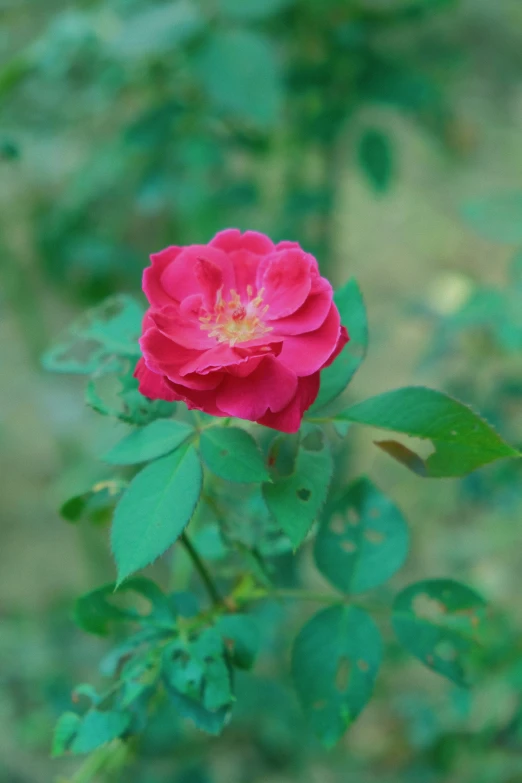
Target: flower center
234, 321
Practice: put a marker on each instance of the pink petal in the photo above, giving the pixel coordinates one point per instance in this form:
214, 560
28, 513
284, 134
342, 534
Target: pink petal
286, 278
307, 353
182, 326
152, 385
245, 268
219, 357
152, 285
198, 400
180, 279
344, 338
287, 245
165, 357
270, 387
310, 316
232, 239
160, 350
246, 367
210, 279
290, 418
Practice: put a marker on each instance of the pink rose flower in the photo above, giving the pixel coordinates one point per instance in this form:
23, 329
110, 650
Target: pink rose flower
239, 327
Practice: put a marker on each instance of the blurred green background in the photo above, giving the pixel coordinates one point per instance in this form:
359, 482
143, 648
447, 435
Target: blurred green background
359, 128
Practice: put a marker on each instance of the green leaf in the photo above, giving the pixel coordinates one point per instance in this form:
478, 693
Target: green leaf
95, 613
16, 70
439, 622
209, 542
149, 442
376, 158
64, 733
233, 454
497, 218
88, 691
96, 505
335, 660
94, 342
363, 539
335, 379
197, 679
99, 728
252, 9
462, 440
241, 74
295, 500
205, 720
242, 638
118, 396
113, 661
155, 509
515, 272
156, 30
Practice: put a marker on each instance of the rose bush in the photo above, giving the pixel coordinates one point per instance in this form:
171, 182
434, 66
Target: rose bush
239, 327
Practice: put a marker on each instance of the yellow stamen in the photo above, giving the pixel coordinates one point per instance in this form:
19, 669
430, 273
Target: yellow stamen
234, 321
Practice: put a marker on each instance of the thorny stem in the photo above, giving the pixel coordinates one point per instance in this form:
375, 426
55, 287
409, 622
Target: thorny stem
201, 568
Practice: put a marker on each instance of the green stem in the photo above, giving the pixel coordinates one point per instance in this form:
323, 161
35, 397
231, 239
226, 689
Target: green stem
202, 570
289, 595
308, 595
311, 596
110, 756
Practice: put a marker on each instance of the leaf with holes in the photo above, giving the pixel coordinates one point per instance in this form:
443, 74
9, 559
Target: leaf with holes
99, 728
241, 635
335, 660
363, 539
440, 621
155, 509
335, 379
117, 395
150, 442
197, 678
296, 500
463, 441
98, 338
232, 454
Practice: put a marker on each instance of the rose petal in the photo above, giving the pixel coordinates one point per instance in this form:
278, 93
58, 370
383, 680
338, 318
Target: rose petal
308, 353
151, 283
152, 385
232, 239
290, 418
344, 338
310, 316
270, 387
245, 268
286, 280
219, 357
165, 357
183, 327
199, 400
180, 279
210, 279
